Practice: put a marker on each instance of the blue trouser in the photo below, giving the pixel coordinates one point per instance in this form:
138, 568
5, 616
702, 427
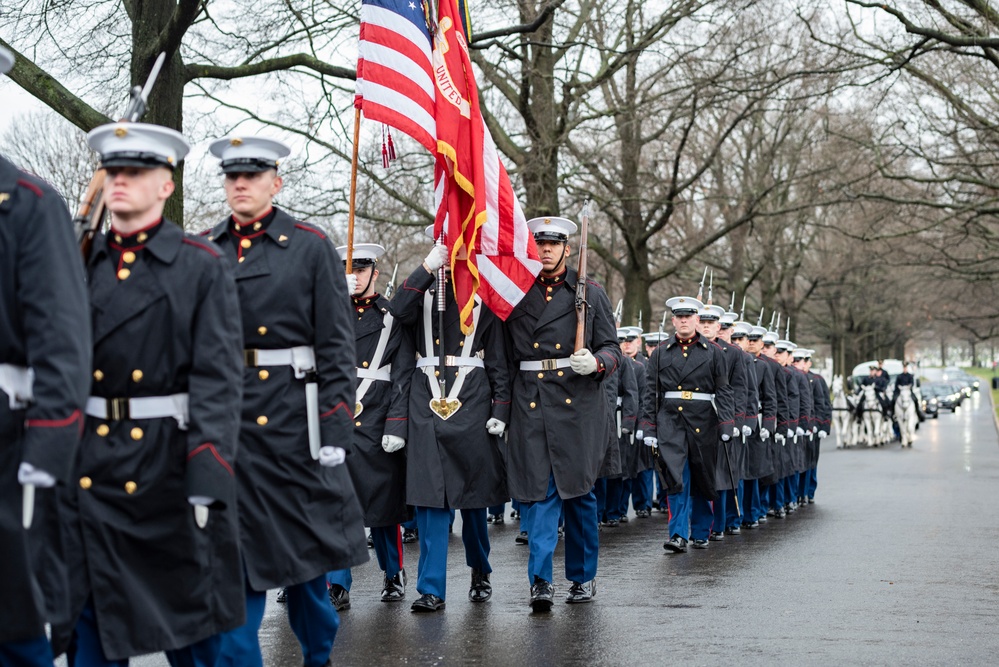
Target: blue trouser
311, 616
718, 508
388, 551
409, 525
615, 490
813, 482
498, 510
752, 504
734, 512
85, 648
690, 514
600, 494
28, 653
777, 494
641, 489
581, 538
790, 488
433, 523
626, 487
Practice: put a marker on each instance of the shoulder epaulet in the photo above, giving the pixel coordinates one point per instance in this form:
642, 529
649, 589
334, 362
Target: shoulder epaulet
312, 229
206, 232
25, 183
590, 281
198, 244
715, 343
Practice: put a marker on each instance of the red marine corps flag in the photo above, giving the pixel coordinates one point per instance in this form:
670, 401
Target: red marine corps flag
419, 80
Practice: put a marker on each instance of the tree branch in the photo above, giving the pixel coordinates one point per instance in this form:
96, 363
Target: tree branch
206, 71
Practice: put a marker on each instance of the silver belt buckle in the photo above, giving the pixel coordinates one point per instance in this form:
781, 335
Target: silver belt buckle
549, 364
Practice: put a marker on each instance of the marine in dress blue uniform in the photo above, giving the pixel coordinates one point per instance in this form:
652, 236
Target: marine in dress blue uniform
454, 459
637, 465
299, 514
794, 432
560, 415
687, 378
155, 470
377, 465
769, 488
45, 353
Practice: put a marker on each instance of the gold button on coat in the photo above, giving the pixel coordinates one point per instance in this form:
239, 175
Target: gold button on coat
136, 375
364, 363
558, 346
246, 243
241, 259
123, 274
86, 482
537, 345
533, 405
136, 433
540, 375
262, 331
263, 374
257, 226
697, 430
103, 430
357, 423
98, 375
130, 487
141, 238
560, 373
568, 401
128, 257
262, 420
680, 408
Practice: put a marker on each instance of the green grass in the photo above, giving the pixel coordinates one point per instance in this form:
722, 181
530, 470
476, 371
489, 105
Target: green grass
986, 376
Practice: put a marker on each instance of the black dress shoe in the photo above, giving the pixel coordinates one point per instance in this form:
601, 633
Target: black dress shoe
409, 536
676, 544
771, 512
580, 593
427, 603
779, 513
610, 523
700, 544
642, 514
371, 541
716, 536
498, 519
811, 500
339, 597
481, 589
624, 518
394, 588
489, 519
282, 596
522, 538
663, 508
514, 514
542, 595
763, 519
732, 530
751, 525
561, 532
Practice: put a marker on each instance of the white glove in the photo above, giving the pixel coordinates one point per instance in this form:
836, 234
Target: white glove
583, 362
790, 434
651, 442
736, 432
495, 426
725, 437
823, 434
436, 258
779, 437
351, 284
392, 443
764, 434
800, 431
29, 474
201, 504
638, 434
815, 429
746, 431
331, 457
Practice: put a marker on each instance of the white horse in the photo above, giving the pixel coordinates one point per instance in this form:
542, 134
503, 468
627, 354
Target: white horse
873, 417
905, 414
843, 410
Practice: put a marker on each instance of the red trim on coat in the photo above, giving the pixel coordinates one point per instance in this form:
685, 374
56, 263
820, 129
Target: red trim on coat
137, 231
314, 231
54, 423
397, 419
31, 186
210, 251
250, 222
210, 447
336, 407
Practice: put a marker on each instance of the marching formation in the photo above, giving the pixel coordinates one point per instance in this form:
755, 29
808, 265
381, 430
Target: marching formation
195, 420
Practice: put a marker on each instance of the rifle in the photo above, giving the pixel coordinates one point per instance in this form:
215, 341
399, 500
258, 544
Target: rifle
640, 320
90, 216
390, 288
619, 312
700, 287
581, 305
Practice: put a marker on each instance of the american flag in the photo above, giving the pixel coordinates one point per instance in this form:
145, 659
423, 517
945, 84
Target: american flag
395, 80
493, 254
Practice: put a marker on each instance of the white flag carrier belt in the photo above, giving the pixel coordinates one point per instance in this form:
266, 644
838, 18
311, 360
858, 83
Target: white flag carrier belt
464, 362
376, 372
545, 364
303, 360
147, 407
688, 396
17, 382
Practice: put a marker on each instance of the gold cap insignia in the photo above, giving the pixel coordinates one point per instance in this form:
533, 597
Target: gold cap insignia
120, 132
548, 221
169, 159
236, 141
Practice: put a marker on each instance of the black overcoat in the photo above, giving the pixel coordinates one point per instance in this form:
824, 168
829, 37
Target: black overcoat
171, 326
298, 519
688, 430
761, 452
379, 477
731, 462
454, 463
559, 420
44, 325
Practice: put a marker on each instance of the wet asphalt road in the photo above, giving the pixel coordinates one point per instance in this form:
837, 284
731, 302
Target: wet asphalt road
894, 564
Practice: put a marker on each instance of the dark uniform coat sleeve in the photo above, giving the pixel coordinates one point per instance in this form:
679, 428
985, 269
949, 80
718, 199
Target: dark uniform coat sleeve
298, 519
559, 420
170, 325
731, 460
44, 325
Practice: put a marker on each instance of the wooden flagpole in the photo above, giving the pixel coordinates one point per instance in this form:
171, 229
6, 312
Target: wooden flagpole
353, 192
